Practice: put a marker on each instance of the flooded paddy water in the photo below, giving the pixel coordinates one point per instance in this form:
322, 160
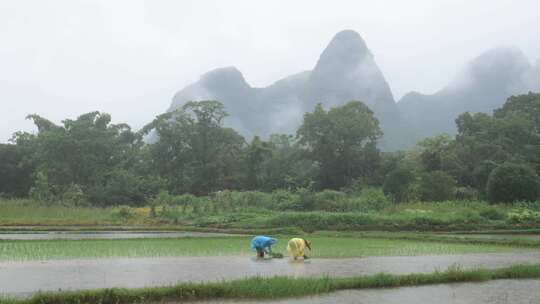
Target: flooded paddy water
25, 278
493, 292
69, 235
526, 237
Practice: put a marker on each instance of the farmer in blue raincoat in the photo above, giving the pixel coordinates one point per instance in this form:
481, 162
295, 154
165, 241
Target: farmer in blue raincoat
263, 245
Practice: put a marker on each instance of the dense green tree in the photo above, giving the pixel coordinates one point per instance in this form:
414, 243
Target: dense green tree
15, 175
435, 152
189, 151
483, 142
476, 149
79, 152
397, 184
527, 106
123, 187
257, 153
513, 182
436, 186
342, 141
524, 112
194, 152
287, 167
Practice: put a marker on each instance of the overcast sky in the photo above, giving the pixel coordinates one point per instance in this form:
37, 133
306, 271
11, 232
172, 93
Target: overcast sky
63, 58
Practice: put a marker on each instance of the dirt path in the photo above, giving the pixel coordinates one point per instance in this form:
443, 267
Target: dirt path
24, 278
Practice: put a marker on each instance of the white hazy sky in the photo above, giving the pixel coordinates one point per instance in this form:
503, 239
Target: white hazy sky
62, 58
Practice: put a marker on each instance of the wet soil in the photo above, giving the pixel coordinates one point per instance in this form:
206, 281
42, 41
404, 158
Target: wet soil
25, 278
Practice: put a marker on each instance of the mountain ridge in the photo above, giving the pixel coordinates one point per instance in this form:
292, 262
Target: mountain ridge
346, 70
482, 85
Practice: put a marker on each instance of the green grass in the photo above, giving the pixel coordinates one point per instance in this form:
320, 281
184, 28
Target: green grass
323, 247
253, 214
277, 287
513, 240
29, 213
505, 237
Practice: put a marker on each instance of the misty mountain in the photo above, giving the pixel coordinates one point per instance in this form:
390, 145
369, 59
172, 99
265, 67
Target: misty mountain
533, 77
482, 86
346, 70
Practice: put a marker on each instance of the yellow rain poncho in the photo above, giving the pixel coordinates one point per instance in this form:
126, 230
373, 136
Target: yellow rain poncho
297, 246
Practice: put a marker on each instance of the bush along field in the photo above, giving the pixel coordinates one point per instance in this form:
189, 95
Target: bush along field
283, 211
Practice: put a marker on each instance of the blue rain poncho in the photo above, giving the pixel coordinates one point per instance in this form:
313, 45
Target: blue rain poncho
263, 243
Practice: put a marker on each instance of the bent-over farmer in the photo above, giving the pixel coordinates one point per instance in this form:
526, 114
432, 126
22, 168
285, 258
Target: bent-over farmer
297, 247
263, 245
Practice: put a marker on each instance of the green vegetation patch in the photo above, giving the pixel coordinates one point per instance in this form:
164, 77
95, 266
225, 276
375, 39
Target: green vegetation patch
323, 247
250, 211
276, 287
28, 212
513, 240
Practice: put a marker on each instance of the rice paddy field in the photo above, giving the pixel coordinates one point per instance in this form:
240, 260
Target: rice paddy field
415, 238
150, 262
323, 247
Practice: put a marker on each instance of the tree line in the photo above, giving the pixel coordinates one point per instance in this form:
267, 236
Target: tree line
90, 160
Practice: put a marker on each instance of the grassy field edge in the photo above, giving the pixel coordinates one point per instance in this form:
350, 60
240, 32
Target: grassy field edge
275, 287
449, 239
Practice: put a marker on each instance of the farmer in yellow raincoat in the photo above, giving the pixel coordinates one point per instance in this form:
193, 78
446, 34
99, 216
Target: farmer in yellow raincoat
297, 246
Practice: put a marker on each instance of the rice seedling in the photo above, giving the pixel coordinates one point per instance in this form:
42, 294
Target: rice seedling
323, 247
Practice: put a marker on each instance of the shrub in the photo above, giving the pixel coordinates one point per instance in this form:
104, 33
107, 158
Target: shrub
436, 186
373, 199
513, 182
306, 200
163, 198
397, 184
283, 200
329, 200
123, 187
535, 206
185, 199
355, 187
466, 194
492, 214
253, 199
125, 212
312, 221
221, 200
73, 195
41, 191
523, 216
471, 217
